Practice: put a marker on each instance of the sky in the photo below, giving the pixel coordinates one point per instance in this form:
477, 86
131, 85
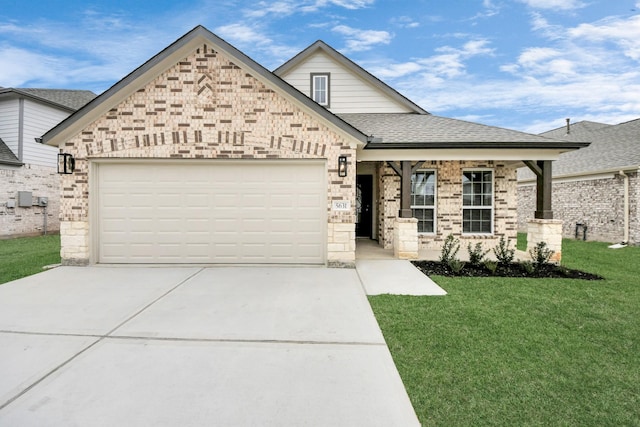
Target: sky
519, 64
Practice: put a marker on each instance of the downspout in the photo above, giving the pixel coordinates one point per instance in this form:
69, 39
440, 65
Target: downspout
626, 207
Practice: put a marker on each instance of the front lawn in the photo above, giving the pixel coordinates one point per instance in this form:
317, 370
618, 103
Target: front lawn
504, 351
27, 255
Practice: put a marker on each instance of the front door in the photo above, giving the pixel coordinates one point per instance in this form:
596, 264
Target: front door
364, 201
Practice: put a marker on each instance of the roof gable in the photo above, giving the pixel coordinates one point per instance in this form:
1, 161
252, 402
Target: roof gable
321, 48
168, 58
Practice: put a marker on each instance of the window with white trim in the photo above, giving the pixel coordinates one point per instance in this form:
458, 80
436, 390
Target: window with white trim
320, 88
423, 200
477, 202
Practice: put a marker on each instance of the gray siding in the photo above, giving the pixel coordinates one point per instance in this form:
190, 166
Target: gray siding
9, 111
38, 119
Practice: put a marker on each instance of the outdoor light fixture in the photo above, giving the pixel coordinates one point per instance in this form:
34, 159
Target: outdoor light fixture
342, 166
66, 163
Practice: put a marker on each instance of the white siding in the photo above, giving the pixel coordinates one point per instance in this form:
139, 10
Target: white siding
38, 119
9, 123
348, 92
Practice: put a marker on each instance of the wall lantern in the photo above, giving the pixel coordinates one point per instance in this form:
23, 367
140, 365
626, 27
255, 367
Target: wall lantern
342, 166
66, 163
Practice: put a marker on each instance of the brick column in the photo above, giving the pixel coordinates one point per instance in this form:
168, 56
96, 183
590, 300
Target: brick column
548, 231
405, 238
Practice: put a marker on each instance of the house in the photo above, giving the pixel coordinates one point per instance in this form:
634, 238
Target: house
596, 190
201, 155
29, 186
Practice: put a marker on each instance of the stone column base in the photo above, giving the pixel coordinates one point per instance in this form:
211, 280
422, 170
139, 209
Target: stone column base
405, 238
341, 247
74, 242
548, 231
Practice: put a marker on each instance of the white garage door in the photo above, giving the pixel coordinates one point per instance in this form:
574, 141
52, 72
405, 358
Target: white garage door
218, 212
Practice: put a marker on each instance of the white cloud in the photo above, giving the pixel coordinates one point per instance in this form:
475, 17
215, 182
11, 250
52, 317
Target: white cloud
555, 4
405, 22
245, 35
360, 40
623, 32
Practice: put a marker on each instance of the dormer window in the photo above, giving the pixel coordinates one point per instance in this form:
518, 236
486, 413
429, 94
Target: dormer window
320, 88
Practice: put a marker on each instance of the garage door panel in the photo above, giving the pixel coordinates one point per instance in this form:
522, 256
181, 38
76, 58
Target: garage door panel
236, 212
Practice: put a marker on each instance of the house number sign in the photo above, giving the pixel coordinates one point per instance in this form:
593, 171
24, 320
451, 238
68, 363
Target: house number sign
341, 205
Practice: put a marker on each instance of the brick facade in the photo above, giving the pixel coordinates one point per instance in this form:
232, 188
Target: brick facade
598, 203
449, 204
28, 221
206, 107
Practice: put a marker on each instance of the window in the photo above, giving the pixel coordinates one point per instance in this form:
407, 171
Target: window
320, 88
477, 202
423, 197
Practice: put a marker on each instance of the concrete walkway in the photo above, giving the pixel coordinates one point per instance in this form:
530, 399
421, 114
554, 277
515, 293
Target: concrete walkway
395, 277
104, 346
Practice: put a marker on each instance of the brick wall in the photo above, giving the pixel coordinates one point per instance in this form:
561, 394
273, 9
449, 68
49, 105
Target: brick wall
599, 203
206, 107
21, 221
449, 203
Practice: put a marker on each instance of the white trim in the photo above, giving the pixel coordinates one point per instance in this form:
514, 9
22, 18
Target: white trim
493, 202
481, 154
435, 203
584, 176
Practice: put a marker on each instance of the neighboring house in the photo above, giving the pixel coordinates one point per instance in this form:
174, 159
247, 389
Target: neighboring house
29, 183
597, 189
201, 155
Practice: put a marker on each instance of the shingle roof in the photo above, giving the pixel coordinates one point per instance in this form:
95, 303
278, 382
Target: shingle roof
399, 130
6, 155
612, 147
67, 98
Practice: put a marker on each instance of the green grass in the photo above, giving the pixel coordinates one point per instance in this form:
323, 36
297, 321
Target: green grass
27, 255
524, 352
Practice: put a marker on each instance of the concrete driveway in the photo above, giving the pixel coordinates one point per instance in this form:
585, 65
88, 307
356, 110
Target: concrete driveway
105, 346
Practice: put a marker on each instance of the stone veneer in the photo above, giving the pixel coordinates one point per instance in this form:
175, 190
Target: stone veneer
598, 203
548, 231
449, 204
405, 237
41, 181
207, 107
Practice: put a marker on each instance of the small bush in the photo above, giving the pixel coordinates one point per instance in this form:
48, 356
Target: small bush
528, 267
503, 253
476, 254
540, 254
492, 266
450, 249
455, 265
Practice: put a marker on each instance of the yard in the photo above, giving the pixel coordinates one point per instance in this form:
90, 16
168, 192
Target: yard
500, 351
497, 351
25, 256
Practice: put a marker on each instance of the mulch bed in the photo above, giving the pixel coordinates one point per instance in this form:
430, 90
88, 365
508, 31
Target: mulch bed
509, 270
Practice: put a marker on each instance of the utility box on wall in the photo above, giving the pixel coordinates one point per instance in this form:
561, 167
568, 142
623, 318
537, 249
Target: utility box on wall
25, 199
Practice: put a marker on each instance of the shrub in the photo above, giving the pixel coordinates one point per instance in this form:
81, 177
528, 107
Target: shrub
492, 266
450, 249
503, 253
476, 254
455, 265
528, 267
540, 254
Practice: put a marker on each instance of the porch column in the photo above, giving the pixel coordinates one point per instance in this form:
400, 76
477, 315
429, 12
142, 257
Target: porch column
542, 169
544, 228
405, 191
